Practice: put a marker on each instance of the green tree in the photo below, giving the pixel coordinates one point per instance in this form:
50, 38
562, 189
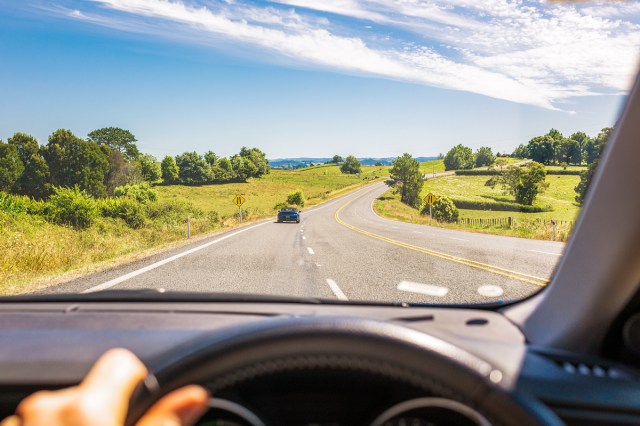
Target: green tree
170, 170
351, 165
378, 164
520, 152
149, 167
258, 158
223, 170
192, 169
35, 177
11, 167
524, 183
336, 159
211, 158
458, 158
484, 156
582, 139
406, 178
585, 177
243, 168
118, 140
76, 162
541, 149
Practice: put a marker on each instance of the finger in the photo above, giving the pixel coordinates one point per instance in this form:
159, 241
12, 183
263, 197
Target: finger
182, 407
44, 407
11, 421
108, 386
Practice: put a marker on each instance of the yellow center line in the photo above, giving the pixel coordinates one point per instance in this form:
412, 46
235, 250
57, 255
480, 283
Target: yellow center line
468, 262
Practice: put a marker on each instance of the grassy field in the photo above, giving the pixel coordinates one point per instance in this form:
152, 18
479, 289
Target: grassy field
35, 253
559, 196
317, 183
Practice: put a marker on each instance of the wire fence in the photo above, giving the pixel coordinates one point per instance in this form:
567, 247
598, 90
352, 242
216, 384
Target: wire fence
510, 222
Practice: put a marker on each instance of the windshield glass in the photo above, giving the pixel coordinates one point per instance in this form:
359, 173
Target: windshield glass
385, 151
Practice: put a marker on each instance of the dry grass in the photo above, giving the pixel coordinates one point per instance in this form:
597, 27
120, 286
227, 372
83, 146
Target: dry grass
35, 253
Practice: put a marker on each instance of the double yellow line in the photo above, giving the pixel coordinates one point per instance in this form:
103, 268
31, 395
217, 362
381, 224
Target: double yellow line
531, 279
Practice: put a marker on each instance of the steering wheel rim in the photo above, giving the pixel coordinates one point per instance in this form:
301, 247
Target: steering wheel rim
284, 344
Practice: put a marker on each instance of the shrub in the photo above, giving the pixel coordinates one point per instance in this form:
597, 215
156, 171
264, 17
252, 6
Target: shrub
487, 172
296, 198
443, 210
499, 206
127, 209
142, 193
280, 206
169, 212
214, 218
73, 207
12, 204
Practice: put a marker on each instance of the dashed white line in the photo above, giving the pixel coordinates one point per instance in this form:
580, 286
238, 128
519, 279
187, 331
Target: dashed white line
490, 290
304, 238
310, 250
428, 289
147, 268
546, 252
336, 290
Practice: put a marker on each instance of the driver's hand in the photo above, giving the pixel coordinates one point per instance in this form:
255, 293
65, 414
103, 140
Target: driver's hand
102, 399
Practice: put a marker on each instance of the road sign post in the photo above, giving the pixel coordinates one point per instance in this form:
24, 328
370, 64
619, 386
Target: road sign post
430, 199
239, 200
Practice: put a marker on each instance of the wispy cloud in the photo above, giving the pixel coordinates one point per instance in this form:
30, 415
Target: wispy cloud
526, 52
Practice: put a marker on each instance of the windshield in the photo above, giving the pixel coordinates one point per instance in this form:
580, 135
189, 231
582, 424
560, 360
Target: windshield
379, 151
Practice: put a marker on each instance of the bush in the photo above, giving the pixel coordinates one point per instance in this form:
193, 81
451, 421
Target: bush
170, 212
71, 206
12, 204
143, 193
214, 218
564, 172
487, 172
443, 210
127, 209
499, 206
296, 198
280, 206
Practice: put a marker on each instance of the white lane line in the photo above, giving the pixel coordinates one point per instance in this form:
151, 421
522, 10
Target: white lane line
304, 238
490, 290
310, 250
459, 239
336, 290
428, 289
147, 268
546, 252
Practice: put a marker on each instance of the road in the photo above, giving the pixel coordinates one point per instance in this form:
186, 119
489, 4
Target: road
343, 250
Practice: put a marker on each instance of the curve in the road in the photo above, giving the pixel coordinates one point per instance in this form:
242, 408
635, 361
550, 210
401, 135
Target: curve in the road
531, 279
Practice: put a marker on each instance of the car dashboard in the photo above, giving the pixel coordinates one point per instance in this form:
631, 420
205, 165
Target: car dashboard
48, 345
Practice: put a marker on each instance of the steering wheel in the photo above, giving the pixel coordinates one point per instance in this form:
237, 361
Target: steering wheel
232, 356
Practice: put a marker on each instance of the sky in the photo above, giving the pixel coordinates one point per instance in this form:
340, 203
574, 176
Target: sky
372, 78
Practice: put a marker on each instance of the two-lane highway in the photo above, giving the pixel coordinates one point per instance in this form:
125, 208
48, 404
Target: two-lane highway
344, 250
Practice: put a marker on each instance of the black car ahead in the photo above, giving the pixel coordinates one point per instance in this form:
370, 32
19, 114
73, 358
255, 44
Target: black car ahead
289, 214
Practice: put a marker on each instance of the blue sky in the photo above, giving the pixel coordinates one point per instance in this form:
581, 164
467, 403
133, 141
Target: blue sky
302, 78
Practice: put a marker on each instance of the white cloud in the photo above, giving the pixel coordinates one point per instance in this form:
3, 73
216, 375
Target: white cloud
531, 53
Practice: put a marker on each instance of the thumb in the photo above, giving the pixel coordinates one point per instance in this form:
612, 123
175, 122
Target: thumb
182, 407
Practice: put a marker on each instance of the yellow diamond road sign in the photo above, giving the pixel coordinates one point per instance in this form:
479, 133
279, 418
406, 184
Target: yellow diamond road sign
238, 200
430, 199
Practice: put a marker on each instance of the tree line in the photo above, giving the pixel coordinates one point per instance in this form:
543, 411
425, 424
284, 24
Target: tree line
107, 159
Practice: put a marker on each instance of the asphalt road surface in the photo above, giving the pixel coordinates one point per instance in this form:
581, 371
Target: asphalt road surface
342, 249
